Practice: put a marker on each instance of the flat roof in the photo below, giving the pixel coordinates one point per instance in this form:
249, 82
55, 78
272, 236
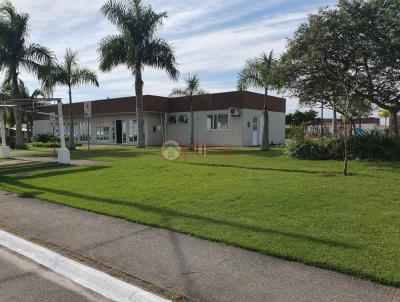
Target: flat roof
152, 103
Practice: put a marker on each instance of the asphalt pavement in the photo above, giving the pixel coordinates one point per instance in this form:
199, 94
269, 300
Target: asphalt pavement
22, 280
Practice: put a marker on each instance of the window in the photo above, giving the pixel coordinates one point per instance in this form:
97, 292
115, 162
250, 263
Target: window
172, 119
133, 131
103, 131
84, 135
217, 122
182, 119
154, 128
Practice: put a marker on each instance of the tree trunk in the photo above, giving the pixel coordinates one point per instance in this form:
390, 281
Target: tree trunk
139, 107
395, 124
71, 139
15, 93
265, 146
191, 124
334, 121
322, 119
346, 158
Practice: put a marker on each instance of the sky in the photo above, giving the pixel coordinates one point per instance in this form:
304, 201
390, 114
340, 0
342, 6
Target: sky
211, 38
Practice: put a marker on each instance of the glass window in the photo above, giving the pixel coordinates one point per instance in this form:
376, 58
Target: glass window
132, 131
222, 121
84, 134
217, 122
103, 132
172, 119
182, 119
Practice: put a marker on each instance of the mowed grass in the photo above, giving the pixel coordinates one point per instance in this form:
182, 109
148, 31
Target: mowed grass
299, 210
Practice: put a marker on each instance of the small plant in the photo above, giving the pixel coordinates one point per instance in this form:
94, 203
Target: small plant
45, 138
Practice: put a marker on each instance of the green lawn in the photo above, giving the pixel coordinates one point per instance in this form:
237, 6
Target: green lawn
299, 210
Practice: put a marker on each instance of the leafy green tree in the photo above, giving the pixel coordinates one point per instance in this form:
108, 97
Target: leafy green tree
68, 73
136, 46
191, 90
16, 55
260, 73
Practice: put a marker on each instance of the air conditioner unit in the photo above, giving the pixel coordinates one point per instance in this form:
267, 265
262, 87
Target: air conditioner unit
234, 111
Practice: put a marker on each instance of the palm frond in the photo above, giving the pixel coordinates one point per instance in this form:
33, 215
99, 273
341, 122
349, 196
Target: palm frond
38, 53
159, 54
70, 60
117, 13
82, 75
113, 52
179, 92
192, 87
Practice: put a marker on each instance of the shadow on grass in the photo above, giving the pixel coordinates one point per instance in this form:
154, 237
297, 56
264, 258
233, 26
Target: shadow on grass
51, 169
167, 213
322, 173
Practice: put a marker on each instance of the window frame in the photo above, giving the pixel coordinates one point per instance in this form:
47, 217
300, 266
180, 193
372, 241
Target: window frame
215, 122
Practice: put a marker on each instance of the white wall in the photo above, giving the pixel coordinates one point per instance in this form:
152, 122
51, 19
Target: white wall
276, 126
238, 134
202, 135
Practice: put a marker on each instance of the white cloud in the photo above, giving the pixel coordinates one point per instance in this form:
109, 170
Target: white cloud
211, 37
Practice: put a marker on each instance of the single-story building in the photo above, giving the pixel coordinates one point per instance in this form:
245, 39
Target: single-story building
314, 128
221, 119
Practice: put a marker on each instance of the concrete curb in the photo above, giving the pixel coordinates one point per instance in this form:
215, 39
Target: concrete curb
83, 275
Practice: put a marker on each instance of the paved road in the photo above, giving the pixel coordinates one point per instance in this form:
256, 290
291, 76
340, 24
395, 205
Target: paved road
24, 281
205, 271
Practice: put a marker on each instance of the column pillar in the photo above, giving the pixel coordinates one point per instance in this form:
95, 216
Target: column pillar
4, 149
63, 153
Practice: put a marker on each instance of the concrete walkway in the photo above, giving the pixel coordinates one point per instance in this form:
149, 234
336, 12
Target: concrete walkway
202, 270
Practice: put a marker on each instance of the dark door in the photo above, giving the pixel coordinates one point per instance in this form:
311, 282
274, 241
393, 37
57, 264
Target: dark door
118, 125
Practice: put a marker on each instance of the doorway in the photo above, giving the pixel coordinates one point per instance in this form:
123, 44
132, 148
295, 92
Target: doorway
118, 130
255, 132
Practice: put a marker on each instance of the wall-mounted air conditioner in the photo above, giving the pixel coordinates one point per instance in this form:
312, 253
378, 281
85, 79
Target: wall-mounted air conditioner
234, 111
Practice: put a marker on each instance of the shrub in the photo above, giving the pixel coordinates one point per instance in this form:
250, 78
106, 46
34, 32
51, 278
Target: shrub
297, 133
45, 138
371, 146
46, 145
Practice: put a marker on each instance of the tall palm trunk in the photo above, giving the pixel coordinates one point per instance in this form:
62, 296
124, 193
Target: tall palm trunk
71, 139
191, 124
265, 138
15, 93
139, 107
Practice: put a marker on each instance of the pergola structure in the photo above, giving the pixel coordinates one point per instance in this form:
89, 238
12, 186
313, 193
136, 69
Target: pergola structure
63, 152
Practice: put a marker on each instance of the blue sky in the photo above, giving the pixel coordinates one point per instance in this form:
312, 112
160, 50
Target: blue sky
212, 38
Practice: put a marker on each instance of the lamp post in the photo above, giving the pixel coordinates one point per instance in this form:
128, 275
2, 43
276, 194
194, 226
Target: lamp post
4, 150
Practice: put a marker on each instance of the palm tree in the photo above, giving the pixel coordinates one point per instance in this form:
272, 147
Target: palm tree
191, 90
68, 73
27, 114
17, 54
136, 46
258, 73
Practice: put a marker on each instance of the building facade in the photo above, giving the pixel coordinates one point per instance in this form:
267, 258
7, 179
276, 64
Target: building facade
221, 119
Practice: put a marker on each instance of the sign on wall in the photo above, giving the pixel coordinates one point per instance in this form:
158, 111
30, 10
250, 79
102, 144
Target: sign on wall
87, 106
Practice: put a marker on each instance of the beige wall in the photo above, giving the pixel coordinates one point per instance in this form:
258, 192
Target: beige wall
239, 133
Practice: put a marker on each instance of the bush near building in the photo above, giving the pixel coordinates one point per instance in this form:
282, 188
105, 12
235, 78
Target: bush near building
371, 146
